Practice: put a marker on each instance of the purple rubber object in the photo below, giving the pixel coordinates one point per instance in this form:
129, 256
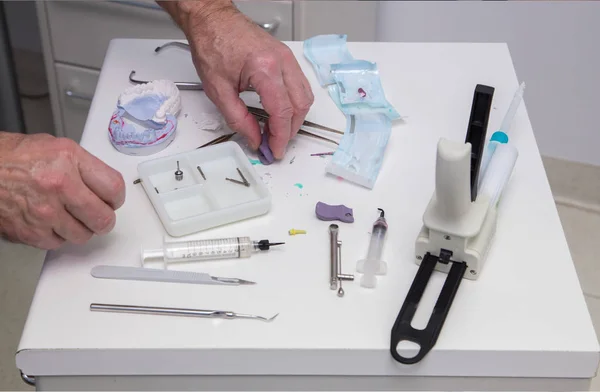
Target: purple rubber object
326, 212
264, 152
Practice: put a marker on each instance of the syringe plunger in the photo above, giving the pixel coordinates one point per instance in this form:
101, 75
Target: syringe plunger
372, 265
201, 250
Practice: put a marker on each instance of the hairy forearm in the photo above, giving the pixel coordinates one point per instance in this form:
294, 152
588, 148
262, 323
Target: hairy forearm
188, 14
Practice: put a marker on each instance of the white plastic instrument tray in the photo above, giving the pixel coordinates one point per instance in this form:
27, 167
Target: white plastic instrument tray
194, 204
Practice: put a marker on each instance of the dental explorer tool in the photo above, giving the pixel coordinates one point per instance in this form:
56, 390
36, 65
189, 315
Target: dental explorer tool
154, 310
160, 275
372, 264
202, 250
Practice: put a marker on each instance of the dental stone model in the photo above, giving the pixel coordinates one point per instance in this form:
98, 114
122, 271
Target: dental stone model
145, 120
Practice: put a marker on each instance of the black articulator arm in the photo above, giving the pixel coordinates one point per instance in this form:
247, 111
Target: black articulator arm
426, 338
402, 329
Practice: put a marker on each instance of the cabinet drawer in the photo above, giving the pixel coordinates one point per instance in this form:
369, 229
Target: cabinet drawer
76, 87
81, 30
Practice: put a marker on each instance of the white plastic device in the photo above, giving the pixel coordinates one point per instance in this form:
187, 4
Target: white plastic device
203, 198
452, 221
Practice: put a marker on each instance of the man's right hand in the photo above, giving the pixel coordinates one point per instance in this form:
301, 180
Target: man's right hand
52, 191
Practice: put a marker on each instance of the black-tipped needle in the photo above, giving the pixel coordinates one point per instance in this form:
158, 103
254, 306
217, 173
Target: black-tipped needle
265, 244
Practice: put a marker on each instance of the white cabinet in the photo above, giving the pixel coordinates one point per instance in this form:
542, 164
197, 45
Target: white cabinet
76, 35
76, 88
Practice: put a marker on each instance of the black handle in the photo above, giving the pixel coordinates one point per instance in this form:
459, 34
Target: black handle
426, 338
477, 129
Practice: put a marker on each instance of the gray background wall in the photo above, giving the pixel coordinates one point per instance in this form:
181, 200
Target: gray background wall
555, 48
23, 25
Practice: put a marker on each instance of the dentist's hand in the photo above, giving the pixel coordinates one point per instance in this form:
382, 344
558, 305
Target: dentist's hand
231, 53
52, 191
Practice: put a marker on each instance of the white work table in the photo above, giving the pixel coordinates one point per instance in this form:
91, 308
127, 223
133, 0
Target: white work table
522, 325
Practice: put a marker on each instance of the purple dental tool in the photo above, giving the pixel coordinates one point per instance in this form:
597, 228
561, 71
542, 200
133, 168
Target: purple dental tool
325, 212
264, 152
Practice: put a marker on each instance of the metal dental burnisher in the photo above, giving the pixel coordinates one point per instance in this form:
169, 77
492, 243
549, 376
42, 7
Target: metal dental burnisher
176, 312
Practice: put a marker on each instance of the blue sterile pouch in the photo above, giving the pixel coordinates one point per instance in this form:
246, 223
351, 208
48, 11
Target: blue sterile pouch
356, 89
324, 50
360, 154
359, 89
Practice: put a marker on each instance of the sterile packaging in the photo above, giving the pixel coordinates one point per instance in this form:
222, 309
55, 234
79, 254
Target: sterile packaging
359, 90
360, 154
324, 50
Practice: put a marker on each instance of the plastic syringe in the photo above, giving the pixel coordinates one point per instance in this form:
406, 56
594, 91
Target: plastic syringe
373, 265
501, 135
203, 250
499, 171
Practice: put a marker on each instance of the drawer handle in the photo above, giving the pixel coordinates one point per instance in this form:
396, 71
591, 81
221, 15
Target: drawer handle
72, 94
137, 5
269, 27
29, 380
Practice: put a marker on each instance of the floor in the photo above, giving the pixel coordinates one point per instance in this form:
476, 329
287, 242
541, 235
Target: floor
576, 190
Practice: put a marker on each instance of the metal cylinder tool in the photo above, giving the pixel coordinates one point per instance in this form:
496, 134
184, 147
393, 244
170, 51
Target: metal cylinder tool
336, 277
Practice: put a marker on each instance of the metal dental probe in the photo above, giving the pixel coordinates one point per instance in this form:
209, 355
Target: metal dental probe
154, 310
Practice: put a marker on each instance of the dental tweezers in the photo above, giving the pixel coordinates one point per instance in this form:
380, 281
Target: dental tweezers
224, 138
220, 139
154, 310
262, 113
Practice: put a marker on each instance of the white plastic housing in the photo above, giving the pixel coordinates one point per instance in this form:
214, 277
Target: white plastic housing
195, 204
451, 220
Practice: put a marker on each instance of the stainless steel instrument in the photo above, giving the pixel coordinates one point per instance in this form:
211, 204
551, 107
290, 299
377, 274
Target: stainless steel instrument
154, 310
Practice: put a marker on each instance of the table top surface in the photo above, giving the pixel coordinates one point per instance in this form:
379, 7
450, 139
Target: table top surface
525, 316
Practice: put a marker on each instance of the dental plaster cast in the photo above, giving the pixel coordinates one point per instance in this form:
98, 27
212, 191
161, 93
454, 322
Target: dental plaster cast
145, 119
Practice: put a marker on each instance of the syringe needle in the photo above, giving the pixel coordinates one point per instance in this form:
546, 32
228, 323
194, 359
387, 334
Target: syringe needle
266, 244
